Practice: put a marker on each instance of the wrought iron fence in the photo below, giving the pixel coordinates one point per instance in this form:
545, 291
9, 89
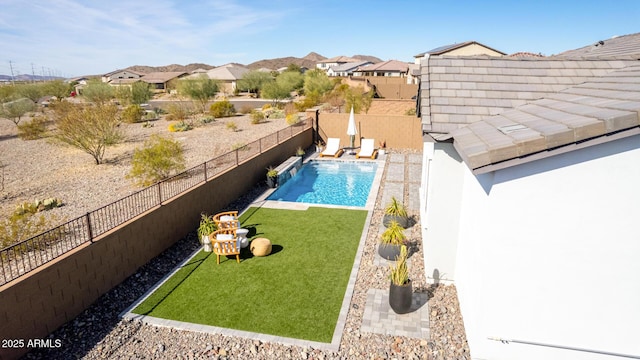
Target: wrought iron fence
25, 256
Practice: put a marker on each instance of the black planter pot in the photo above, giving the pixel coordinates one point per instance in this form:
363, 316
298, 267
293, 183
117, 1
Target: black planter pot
271, 181
400, 297
389, 251
402, 220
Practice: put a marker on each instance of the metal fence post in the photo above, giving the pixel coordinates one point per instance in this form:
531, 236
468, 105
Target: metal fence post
159, 192
89, 231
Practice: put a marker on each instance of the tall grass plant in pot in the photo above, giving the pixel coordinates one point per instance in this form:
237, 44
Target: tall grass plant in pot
400, 289
395, 211
391, 241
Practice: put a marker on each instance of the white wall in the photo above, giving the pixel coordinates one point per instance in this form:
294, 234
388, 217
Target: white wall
441, 188
547, 251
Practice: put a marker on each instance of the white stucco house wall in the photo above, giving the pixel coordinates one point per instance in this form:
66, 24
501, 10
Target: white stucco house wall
530, 197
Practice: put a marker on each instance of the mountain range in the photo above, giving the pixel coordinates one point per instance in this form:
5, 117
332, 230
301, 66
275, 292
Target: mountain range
309, 61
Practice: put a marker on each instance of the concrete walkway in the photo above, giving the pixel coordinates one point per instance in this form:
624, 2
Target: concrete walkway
403, 173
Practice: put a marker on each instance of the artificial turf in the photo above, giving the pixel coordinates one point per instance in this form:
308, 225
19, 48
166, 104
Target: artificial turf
297, 291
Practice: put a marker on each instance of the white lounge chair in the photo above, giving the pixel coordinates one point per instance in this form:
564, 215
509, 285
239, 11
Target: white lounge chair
367, 149
333, 148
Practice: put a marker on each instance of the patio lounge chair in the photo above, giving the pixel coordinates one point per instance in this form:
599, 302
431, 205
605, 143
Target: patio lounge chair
225, 242
333, 148
227, 219
366, 149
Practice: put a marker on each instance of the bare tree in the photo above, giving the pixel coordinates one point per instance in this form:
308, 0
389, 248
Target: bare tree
90, 128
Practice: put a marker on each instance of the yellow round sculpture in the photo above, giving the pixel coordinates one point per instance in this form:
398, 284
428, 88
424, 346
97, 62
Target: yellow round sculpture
260, 247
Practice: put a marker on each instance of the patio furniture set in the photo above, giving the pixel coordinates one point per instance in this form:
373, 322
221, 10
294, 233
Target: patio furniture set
229, 239
333, 149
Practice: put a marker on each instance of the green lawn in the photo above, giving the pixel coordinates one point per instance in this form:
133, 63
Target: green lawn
295, 292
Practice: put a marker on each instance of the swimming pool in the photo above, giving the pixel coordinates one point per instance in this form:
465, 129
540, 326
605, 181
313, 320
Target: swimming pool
346, 183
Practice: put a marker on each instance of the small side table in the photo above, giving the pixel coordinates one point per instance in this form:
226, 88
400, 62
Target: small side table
242, 237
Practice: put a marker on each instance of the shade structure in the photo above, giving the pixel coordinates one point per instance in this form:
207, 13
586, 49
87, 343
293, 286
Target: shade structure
351, 128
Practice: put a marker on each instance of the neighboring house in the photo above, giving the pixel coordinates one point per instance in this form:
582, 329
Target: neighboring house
466, 48
163, 81
334, 61
346, 69
529, 198
228, 75
390, 68
123, 82
121, 74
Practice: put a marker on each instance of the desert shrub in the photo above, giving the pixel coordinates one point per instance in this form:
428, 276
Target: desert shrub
21, 227
33, 129
23, 224
257, 116
231, 125
275, 114
411, 111
179, 111
292, 119
159, 158
179, 126
207, 119
150, 115
37, 206
133, 114
306, 103
266, 106
222, 109
246, 109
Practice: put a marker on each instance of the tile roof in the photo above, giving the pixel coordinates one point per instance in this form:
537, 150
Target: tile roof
162, 76
601, 106
389, 65
458, 91
227, 73
525, 54
616, 47
349, 66
441, 50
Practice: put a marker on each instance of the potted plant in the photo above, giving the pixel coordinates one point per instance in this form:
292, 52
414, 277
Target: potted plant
383, 147
319, 147
395, 211
207, 226
392, 241
272, 177
299, 152
400, 289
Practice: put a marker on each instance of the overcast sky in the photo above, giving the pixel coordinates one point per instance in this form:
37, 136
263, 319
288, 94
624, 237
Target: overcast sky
72, 38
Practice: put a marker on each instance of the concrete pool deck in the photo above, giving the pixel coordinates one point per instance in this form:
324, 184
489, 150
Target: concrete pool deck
402, 172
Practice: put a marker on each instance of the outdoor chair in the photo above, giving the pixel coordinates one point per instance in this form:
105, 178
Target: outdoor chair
227, 219
367, 149
333, 148
226, 243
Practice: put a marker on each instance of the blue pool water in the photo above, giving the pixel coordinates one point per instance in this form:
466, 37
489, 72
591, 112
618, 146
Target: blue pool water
329, 182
